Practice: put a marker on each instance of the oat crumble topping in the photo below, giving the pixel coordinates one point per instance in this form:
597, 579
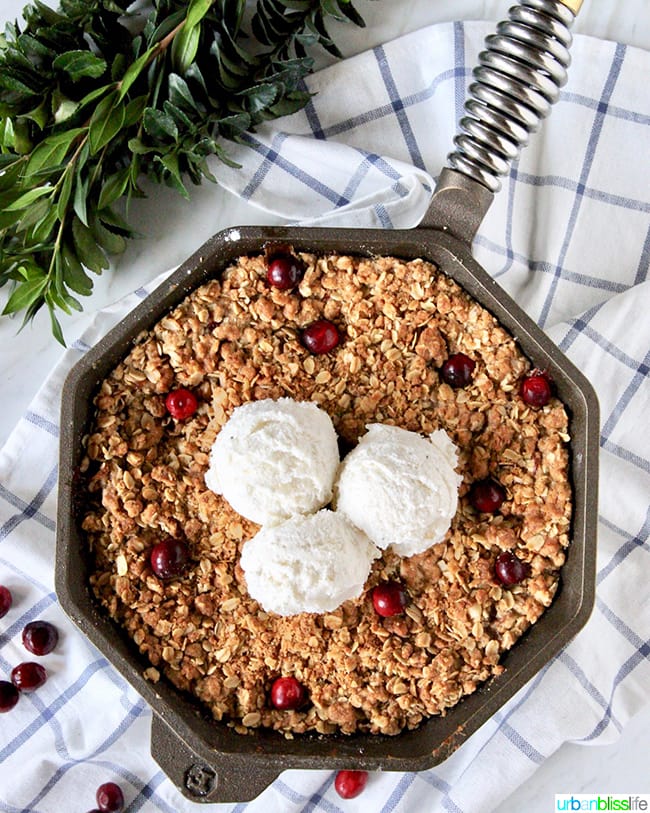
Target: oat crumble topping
236, 339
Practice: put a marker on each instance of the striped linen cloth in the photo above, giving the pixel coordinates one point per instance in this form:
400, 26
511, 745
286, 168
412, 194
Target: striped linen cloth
569, 238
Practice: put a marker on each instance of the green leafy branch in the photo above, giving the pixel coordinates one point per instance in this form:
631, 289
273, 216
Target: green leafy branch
94, 98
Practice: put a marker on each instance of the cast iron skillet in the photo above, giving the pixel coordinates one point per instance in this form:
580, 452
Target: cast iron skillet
519, 76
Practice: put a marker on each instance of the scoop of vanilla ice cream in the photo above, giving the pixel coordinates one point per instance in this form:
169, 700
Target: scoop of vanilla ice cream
307, 564
400, 488
274, 458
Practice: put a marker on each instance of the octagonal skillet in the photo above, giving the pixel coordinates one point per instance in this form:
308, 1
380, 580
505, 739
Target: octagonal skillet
517, 80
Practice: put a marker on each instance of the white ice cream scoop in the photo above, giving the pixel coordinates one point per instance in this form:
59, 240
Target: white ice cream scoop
274, 458
400, 488
307, 564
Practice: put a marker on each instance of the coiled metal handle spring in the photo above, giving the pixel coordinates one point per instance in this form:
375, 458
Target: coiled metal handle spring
518, 80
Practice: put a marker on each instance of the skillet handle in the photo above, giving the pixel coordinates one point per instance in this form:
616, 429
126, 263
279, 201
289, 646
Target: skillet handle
517, 81
210, 777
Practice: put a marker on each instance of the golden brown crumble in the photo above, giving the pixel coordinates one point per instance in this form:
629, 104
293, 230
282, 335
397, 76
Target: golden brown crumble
236, 339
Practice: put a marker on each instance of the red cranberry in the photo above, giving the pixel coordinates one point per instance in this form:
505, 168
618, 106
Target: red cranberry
28, 676
8, 696
457, 370
5, 600
535, 389
40, 637
181, 404
168, 558
320, 337
284, 272
389, 598
349, 784
487, 496
287, 693
110, 798
509, 569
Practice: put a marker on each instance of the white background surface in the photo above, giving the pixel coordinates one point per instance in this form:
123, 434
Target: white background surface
172, 231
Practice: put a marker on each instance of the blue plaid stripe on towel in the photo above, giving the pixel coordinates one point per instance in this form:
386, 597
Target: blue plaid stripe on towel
569, 238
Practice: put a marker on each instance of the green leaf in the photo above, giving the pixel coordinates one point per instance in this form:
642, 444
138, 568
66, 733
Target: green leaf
25, 294
87, 250
57, 331
351, 13
233, 14
59, 291
289, 104
63, 108
170, 162
134, 70
194, 73
106, 122
9, 175
89, 98
22, 139
64, 194
52, 151
263, 28
61, 300
186, 42
30, 271
167, 25
134, 189
235, 50
27, 198
196, 12
180, 94
114, 187
223, 157
115, 222
138, 147
232, 66
290, 71
9, 219
11, 82
118, 7
48, 15
185, 47
39, 115
81, 186
317, 24
42, 231
80, 64
119, 66
182, 120
333, 9
134, 111
73, 273
34, 214
232, 127
297, 5
159, 125
204, 169
6, 133
260, 97
34, 49
107, 239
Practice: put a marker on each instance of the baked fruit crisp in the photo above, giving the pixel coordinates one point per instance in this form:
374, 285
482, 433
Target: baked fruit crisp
369, 340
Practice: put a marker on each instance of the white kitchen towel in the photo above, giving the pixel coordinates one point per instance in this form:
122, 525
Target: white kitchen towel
569, 238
